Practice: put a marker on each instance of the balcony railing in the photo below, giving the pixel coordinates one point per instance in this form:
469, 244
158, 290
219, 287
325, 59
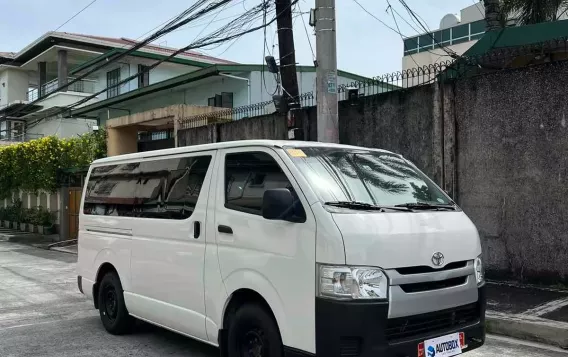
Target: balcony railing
18, 138
81, 86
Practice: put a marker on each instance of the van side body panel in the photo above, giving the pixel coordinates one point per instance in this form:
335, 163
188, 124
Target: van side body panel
274, 258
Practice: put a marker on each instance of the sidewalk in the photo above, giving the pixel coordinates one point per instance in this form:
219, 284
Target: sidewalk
37, 240
527, 312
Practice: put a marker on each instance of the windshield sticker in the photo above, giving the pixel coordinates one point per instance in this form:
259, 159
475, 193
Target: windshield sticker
296, 153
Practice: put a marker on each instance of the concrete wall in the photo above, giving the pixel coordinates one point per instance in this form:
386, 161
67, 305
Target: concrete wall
13, 86
48, 200
399, 121
512, 168
63, 128
498, 143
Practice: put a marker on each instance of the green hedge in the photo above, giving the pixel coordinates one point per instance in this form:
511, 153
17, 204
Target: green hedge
32, 166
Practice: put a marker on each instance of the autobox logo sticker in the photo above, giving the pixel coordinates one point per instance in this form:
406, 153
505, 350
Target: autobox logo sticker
445, 346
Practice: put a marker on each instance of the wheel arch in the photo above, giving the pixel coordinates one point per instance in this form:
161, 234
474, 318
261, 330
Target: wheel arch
104, 268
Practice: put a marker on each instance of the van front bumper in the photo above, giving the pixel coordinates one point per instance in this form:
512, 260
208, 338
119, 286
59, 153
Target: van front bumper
363, 329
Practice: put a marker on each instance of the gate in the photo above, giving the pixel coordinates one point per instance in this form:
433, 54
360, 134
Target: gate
74, 207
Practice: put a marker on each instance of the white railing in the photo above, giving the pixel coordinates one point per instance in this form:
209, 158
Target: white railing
81, 86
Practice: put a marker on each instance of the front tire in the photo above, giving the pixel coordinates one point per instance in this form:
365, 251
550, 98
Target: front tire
112, 308
253, 333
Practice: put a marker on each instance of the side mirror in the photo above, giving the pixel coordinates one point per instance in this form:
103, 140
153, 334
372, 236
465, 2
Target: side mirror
278, 204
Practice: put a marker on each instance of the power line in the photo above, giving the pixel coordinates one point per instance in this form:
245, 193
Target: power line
376, 18
206, 41
401, 37
417, 18
307, 34
172, 25
60, 26
77, 14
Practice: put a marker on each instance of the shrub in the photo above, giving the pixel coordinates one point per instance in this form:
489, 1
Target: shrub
32, 166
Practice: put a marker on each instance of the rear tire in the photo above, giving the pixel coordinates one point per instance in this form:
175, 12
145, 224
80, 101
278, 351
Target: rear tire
112, 308
253, 333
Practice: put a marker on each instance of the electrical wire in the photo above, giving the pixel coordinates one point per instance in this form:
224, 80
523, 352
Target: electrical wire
376, 18
398, 28
307, 34
170, 26
224, 34
417, 19
76, 14
63, 24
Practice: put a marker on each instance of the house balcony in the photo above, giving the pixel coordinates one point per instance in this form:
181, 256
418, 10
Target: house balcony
86, 86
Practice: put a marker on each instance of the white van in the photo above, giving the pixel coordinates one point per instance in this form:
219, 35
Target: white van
275, 248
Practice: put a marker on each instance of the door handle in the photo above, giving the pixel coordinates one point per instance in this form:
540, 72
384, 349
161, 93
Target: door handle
225, 229
196, 229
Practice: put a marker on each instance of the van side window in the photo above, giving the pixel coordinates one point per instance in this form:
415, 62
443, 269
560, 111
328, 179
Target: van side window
247, 176
163, 188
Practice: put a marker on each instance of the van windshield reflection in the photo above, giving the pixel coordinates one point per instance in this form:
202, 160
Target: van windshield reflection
368, 177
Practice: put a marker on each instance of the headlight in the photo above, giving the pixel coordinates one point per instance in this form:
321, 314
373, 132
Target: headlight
479, 271
342, 282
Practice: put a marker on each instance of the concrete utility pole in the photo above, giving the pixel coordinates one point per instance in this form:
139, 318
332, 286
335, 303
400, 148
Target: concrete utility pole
287, 52
326, 85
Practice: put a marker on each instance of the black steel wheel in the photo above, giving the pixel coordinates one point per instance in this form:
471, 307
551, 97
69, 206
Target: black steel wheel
112, 309
253, 333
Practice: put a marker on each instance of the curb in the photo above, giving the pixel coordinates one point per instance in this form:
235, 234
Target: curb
63, 250
530, 328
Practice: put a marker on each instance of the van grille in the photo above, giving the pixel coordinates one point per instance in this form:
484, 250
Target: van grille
417, 325
349, 347
427, 269
433, 285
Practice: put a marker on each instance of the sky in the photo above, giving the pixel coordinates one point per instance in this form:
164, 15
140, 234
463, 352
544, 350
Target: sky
365, 46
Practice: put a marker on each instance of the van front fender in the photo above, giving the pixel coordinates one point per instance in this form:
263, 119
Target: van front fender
257, 282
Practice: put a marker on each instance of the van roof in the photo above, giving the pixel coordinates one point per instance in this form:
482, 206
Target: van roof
226, 145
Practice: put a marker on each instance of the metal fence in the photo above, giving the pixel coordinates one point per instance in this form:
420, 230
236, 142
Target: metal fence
441, 71
238, 113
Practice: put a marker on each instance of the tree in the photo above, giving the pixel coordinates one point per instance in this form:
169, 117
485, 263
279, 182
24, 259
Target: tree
493, 14
528, 12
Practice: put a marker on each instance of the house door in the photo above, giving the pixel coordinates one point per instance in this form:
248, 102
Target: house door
74, 207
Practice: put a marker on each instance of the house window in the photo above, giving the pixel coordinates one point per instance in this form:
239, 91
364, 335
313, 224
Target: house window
144, 77
113, 77
223, 100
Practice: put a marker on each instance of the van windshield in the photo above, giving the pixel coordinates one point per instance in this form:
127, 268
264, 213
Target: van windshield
366, 177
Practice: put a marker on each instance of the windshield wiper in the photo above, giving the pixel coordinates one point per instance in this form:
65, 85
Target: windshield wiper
426, 206
362, 206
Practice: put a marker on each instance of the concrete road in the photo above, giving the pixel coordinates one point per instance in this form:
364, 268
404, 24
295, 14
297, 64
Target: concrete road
43, 314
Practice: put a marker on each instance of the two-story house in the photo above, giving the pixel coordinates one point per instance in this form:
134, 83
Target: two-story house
190, 78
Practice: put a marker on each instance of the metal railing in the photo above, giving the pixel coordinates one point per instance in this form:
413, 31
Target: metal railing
494, 59
18, 138
238, 113
81, 86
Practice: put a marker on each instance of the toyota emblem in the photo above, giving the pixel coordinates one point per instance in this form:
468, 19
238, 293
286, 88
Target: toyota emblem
438, 259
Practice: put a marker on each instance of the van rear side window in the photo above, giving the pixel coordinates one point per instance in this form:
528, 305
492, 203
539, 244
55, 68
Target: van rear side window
162, 189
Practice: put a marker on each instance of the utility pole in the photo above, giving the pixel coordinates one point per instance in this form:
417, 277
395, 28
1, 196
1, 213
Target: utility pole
326, 72
287, 52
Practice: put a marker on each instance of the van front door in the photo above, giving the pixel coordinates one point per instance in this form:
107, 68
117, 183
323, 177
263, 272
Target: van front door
274, 258
168, 241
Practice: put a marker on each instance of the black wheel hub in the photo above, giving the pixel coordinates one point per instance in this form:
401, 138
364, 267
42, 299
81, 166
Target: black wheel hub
110, 302
252, 344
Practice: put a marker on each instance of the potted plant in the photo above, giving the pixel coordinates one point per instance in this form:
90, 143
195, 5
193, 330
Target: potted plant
44, 221
2, 215
18, 213
10, 216
33, 220
24, 219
